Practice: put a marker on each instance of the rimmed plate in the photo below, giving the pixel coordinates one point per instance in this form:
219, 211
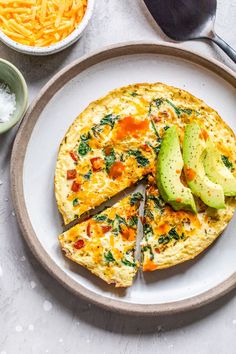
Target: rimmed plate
33, 162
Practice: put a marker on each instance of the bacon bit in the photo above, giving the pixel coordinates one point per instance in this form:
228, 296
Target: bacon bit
116, 169
145, 147
157, 250
127, 232
149, 266
79, 244
73, 156
142, 219
75, 187
178, 200
97, 163
106, 228
189, 173
107, 150
88, 229
156, 119
178, 171
71, 174
131, 126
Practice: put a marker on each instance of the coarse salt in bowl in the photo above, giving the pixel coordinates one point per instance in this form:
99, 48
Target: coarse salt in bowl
53, 48
13, 96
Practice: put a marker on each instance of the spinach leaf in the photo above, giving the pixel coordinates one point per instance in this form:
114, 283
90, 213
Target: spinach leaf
148, 214
110, 120
155, 130
136, 198
75, 202
84, 148
226, 161
100, 217
133, 221
141, 160
109, 257
158, 202
133, 94
178, 110
85, 137
109, 160
148, 248
158, 102
128, 263
88, 175
172, 234
147, 230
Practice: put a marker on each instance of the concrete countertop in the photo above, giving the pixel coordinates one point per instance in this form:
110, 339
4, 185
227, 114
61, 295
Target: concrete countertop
37, 315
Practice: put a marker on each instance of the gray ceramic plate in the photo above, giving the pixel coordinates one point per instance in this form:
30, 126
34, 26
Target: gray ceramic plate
33, 162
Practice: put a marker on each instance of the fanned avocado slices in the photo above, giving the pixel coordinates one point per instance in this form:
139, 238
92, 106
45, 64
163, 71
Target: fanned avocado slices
217, 171
169, 168
194, 153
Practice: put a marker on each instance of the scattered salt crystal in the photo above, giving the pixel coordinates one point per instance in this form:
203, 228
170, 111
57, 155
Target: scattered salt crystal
234, 322
6, 199
1, 272
31, 327
7, 103
22, 259
13, 213
33, 284
1, 182
19, 328
47, 306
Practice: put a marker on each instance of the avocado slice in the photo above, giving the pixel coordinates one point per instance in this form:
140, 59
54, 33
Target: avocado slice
194, 153
217, 171
169, 167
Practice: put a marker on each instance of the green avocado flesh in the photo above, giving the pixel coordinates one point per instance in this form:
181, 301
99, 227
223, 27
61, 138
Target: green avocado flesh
169, 167
217, 172
194, 154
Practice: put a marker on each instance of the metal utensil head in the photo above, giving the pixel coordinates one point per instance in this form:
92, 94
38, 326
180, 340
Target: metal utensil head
183, 19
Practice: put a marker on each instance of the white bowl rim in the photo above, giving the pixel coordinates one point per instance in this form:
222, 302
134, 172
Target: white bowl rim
54, 48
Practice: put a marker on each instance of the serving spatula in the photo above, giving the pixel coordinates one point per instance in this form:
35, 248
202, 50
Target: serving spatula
183, 20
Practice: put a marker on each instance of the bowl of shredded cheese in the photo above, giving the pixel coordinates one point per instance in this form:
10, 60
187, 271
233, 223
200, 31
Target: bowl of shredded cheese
13, 96
42, 27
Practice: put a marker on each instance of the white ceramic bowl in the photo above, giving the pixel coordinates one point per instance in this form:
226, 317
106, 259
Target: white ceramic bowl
54, 48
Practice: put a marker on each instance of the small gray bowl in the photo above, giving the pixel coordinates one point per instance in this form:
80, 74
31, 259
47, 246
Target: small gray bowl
10, 75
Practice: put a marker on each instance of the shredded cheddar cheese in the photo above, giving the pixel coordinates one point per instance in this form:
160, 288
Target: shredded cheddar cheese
40, 23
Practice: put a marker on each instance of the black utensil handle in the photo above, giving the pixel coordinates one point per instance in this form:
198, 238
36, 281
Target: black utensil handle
223, 45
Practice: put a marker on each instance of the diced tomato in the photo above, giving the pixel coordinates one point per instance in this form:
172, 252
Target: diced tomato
157, 250
73, 156
142, 219
75, 187
79, 244
116, 169
156, 119
145, 147
71, 174
107, 150
106, 228
88, 230
97, 163
149, 266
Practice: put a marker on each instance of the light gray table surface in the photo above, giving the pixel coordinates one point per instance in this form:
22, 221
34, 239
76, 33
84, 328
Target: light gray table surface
37, 315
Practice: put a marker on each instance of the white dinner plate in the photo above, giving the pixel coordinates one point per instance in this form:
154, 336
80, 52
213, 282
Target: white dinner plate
180, 288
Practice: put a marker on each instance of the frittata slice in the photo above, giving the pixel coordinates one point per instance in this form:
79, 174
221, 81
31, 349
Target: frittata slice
172, 237
105, 244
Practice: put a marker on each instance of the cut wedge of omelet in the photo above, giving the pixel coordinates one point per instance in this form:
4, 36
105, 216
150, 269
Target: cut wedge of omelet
171, 237
105, 244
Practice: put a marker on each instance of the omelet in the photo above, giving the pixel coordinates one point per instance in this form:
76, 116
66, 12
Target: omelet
113, 144
172, 237
105, 244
